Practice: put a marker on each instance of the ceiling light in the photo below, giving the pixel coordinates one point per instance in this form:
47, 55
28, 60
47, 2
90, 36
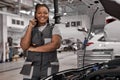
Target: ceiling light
24, 12
64, 14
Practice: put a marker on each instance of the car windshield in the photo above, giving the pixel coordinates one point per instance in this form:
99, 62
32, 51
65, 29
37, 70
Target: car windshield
102, 38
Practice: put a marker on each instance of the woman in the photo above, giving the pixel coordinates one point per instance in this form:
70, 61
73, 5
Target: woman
40, 41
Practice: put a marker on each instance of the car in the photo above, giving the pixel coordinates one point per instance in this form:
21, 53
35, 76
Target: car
69, 45
66, 47
95, 71
98, 41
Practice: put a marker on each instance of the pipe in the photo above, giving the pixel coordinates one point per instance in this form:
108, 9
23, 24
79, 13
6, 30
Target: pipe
56, 14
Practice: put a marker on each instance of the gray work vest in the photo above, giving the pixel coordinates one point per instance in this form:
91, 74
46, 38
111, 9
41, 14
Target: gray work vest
42, 59
38, 39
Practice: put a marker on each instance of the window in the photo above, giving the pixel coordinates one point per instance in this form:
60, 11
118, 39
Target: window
67, 24
79, 23
73, 24
18, 22
13, 21
22, 22
101, 38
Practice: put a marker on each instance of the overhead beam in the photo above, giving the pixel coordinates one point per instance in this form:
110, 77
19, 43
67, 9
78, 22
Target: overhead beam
6, 4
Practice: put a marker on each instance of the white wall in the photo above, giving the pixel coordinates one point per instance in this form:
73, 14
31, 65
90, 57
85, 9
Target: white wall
25, 19
99, 18
16, 30
72, 32
83, 18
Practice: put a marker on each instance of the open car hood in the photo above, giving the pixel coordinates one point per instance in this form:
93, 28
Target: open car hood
112, 7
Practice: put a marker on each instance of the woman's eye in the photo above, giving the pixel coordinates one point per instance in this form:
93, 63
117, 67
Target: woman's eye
43, 13
39, 13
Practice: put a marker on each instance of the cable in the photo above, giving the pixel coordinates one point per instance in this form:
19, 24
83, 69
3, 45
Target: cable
86, 39
92, 23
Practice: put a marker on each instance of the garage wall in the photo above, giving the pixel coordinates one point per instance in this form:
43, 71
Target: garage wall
72, 30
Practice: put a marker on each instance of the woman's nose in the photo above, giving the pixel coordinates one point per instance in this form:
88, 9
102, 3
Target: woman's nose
42, 14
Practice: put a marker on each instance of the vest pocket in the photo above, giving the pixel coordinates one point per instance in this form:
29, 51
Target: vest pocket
47, 40
54, 67
33, 56
26, 69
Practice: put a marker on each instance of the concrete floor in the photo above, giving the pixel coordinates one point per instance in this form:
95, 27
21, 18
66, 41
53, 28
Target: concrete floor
10, 70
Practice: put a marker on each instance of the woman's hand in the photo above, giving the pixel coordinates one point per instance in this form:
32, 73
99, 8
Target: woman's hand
31, 48
32, 23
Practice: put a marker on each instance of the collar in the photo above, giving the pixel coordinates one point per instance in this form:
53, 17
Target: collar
41, 28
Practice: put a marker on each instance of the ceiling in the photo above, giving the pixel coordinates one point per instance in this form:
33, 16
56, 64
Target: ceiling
71, 7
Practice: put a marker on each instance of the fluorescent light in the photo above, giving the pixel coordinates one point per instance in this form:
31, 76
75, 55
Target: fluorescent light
24, 12
64, 13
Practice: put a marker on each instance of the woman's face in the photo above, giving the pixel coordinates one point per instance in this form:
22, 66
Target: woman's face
42, 15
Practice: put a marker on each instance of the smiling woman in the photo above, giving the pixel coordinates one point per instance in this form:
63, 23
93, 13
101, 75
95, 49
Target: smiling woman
40, 42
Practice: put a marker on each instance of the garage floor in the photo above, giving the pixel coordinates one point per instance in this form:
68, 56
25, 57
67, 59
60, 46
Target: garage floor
10, 70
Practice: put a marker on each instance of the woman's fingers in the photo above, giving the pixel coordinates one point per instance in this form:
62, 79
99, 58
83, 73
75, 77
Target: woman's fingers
32, 22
